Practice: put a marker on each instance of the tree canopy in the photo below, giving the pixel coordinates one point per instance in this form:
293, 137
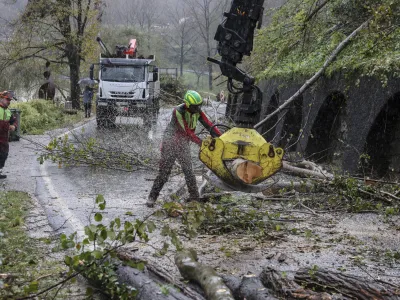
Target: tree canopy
303, 33
56, 31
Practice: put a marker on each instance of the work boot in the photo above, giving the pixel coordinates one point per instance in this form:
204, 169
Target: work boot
151, 201
2, 176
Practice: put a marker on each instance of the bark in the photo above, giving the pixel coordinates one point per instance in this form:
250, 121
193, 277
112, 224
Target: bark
249, 288
74, 66
307, 170
191, 269
288, 289
148, 288
155, 275
349, 286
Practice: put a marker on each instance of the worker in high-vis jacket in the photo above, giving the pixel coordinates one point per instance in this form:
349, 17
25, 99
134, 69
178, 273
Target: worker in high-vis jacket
175, 145
8, 123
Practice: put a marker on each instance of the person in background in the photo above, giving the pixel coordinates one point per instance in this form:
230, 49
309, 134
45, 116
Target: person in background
8, 123
175, 145
87, 100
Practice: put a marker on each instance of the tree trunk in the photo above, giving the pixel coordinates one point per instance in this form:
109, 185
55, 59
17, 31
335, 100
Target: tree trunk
250, 288
181, 58
212, 284
74, 69
349, 286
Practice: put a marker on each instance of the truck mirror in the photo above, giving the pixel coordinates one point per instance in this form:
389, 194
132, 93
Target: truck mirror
155, 76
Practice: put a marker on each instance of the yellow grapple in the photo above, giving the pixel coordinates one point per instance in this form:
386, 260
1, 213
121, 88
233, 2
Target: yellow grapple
244, 144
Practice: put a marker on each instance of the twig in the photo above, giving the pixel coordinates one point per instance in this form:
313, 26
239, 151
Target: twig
390, 195
374, 196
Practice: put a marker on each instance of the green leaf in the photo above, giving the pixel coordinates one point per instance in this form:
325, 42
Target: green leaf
99, 199
89, 291
151, 226
33, 287
98, 217
140, 266
129, 213
97, 254
103, 234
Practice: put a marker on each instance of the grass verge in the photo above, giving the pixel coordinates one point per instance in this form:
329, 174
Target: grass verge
26, 264
38, 116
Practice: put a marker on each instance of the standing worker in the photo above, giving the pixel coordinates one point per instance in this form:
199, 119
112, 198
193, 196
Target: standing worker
175, 144
87, 100
8, 122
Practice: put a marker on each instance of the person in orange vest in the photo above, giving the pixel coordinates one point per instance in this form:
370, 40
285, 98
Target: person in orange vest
8, 123
175, 145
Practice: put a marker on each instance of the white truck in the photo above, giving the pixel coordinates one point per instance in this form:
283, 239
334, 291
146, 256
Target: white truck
129, 86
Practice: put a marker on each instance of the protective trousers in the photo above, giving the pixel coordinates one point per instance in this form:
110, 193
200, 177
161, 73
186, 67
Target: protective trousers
4, 148
170, 151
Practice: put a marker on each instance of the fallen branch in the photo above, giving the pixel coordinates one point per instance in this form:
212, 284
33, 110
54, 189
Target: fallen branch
346, 285
316, 76
161, 274
191, 269
316, 171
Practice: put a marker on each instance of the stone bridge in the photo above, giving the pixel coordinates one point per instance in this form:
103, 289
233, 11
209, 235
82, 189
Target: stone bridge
353, 125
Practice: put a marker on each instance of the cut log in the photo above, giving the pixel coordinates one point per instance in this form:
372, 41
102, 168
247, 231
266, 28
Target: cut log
191, 269
349, 286
249, 288
307, 172
147, 287
153, 275
288, 289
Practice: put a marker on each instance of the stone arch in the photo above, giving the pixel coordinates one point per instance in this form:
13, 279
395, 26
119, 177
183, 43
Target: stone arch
382, 145
292, 125
268, 131
328, 129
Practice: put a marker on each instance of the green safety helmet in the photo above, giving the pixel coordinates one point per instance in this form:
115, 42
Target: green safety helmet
193, 98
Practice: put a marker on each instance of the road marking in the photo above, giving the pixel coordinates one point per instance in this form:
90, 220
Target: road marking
71, 221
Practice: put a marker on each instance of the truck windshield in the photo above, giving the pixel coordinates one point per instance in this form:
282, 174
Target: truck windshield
122, 73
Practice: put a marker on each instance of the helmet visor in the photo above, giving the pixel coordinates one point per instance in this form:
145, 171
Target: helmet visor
195, 108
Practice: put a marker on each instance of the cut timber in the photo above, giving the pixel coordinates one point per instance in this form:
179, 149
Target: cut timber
250, 288
349, 286
154, 276
308, 169
246, 170
288, 289
190, 269
147, 287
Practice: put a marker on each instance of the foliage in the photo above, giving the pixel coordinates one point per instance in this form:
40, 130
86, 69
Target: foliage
20, 256
227, 215
60, 32
96, 255
303, 33
172, 90
38, 116
65, 152
353, 195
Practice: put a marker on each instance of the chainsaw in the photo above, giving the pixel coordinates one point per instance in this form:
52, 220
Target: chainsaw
240, 157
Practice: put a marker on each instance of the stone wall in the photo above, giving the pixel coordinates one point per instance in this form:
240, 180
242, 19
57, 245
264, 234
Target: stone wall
338, 121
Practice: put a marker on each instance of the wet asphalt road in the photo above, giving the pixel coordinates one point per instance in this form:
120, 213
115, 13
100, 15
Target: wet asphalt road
68, 193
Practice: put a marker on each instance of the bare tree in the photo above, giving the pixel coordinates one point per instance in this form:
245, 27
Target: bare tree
206, 15
180, 34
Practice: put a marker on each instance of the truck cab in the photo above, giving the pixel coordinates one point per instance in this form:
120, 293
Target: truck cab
128, 87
